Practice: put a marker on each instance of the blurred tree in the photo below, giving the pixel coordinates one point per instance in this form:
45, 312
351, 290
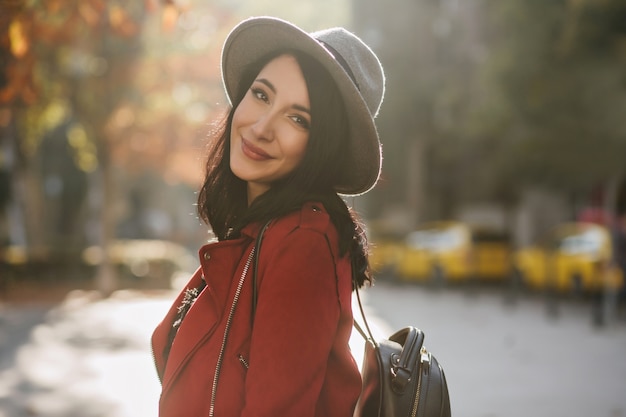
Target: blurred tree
487, 97
67, 67
430, 51
563, 90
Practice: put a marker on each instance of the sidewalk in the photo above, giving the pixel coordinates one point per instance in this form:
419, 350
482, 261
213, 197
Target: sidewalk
89, 358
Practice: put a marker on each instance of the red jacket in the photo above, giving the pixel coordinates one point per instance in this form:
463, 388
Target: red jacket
295, 360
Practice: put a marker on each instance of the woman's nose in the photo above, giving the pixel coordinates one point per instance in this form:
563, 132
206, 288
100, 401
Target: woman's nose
263, 127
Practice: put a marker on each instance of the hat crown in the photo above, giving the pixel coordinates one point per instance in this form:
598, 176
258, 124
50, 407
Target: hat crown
364, 68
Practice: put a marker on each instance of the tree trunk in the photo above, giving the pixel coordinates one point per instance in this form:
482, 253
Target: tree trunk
106, 276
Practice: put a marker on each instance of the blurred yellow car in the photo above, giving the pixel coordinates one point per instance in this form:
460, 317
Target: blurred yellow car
384, 251
452, 251
573, 257
384, 255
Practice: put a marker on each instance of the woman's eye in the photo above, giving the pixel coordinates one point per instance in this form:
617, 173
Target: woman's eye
301, 121
260, 94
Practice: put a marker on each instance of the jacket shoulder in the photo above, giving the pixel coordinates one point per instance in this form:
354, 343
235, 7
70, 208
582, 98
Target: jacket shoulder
311, 216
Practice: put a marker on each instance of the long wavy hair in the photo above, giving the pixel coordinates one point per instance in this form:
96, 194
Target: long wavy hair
222, 200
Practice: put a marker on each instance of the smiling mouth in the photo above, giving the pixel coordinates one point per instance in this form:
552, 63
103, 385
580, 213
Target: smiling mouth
254, 152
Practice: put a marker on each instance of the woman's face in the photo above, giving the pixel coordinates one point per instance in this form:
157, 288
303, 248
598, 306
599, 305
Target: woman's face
270, 127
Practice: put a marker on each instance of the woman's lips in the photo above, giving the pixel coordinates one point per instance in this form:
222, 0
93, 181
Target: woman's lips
253, 152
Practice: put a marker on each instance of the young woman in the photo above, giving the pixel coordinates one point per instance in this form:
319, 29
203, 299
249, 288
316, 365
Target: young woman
300, 133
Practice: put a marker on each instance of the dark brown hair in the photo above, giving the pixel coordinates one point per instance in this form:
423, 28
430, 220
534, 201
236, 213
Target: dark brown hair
222, 201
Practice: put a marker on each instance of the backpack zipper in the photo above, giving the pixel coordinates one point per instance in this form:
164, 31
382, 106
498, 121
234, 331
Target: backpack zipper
424, 361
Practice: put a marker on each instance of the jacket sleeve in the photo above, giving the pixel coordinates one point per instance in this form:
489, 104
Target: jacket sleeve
294, 327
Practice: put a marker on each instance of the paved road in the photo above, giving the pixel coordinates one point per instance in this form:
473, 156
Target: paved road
91, 358
506, 360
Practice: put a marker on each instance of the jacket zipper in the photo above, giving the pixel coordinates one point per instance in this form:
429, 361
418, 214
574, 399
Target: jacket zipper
220, 357
154, 361
424, 361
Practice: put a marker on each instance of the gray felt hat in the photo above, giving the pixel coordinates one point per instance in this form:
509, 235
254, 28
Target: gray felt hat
350, 62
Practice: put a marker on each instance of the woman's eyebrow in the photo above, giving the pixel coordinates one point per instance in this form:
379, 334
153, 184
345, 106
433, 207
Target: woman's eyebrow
269, 85
302, 109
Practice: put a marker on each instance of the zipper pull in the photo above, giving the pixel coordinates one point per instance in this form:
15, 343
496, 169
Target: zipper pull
424, 356
244, 362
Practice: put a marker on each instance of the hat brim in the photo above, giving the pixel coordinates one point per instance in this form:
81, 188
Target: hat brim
257, 37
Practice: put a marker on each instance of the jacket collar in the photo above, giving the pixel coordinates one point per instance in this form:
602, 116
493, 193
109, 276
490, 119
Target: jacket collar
251, 230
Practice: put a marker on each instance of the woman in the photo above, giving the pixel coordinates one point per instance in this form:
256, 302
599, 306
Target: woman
301, 130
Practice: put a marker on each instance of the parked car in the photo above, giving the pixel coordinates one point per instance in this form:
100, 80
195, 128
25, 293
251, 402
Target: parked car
385, 245
453, 251
573, 257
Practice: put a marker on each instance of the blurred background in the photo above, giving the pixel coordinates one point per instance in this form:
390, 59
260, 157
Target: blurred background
505, 116
502, 127
501, 115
